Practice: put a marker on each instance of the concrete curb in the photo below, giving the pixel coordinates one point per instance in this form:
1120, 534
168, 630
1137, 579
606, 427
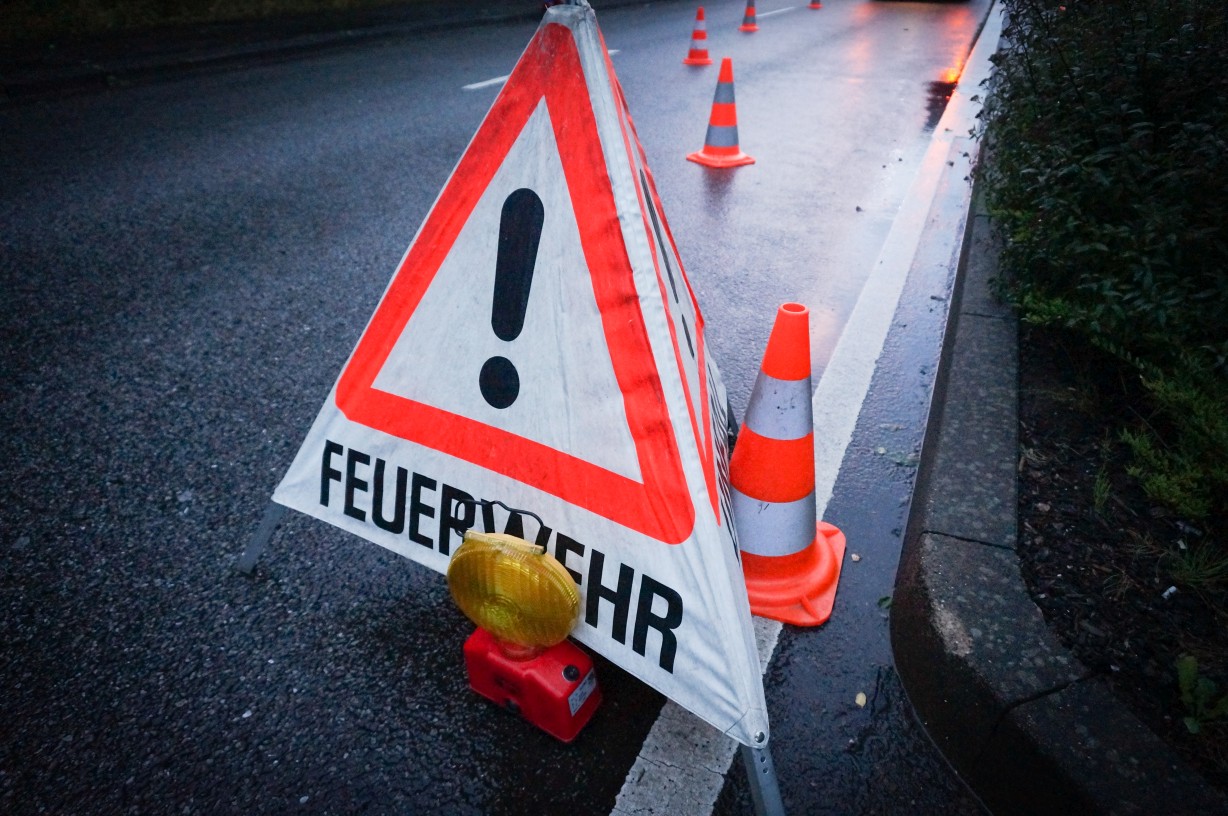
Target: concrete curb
1029, 728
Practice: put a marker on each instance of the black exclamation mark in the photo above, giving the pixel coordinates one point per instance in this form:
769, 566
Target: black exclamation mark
520, 230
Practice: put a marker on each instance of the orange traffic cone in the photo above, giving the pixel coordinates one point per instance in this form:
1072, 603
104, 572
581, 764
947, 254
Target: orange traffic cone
748, 19
721, 144
698, 55
815, 4
791, 561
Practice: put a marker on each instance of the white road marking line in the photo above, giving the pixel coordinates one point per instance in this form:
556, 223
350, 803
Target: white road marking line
843, 387
486, 83
774, 11
682, 765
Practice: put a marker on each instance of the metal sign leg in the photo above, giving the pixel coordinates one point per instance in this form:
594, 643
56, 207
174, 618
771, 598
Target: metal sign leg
764, 789
272, 517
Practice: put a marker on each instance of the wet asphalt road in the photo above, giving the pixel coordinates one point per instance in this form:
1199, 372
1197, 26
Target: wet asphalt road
185, 267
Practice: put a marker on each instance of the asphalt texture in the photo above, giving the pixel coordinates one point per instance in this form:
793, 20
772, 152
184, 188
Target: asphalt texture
1027, 727
56, 69
141, 671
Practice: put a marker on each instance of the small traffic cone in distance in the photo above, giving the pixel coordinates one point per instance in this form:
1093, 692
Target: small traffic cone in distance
815, 4
791, 560
698, 55
748, 19
721, 143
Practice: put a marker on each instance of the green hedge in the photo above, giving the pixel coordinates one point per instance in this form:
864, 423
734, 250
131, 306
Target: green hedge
1107, 124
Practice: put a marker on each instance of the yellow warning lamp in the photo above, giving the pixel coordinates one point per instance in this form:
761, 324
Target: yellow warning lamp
510, 588
524, 603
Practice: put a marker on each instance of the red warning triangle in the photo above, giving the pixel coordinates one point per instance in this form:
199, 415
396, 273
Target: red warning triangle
685, 321
547, 93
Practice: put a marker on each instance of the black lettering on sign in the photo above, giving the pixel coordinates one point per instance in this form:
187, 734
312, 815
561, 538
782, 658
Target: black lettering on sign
397, 523
395, 499
720, 439
665, 624
456, 516
647, 612
418, 508
620, 596
564, 546
513, 526
665, 252
328, 473
353, 484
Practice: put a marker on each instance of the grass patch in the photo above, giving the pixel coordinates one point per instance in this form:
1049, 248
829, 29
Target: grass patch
1200, 695
1201, 566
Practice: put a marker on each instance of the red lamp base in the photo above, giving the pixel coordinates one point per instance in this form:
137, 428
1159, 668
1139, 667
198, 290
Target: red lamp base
555, 690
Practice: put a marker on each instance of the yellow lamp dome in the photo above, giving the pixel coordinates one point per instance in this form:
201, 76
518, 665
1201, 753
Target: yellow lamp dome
513, 589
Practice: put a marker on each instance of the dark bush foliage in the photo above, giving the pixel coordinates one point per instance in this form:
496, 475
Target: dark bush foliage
1108, 174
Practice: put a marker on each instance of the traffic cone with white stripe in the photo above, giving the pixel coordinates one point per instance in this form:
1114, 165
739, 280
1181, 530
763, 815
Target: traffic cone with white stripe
791, 560
748, 19
721, 144
698, 55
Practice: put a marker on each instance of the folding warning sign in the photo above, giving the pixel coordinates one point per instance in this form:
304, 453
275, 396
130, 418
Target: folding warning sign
540, 346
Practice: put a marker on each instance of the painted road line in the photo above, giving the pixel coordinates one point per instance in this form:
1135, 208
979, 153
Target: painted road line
763, 14
499, 80
845, 381
486, 83
683, 762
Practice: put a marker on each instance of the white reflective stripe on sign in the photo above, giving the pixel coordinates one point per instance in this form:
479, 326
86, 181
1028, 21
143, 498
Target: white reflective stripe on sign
780, 409
773, 528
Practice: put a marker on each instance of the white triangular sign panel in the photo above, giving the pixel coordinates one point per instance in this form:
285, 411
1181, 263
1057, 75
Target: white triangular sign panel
540, 347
